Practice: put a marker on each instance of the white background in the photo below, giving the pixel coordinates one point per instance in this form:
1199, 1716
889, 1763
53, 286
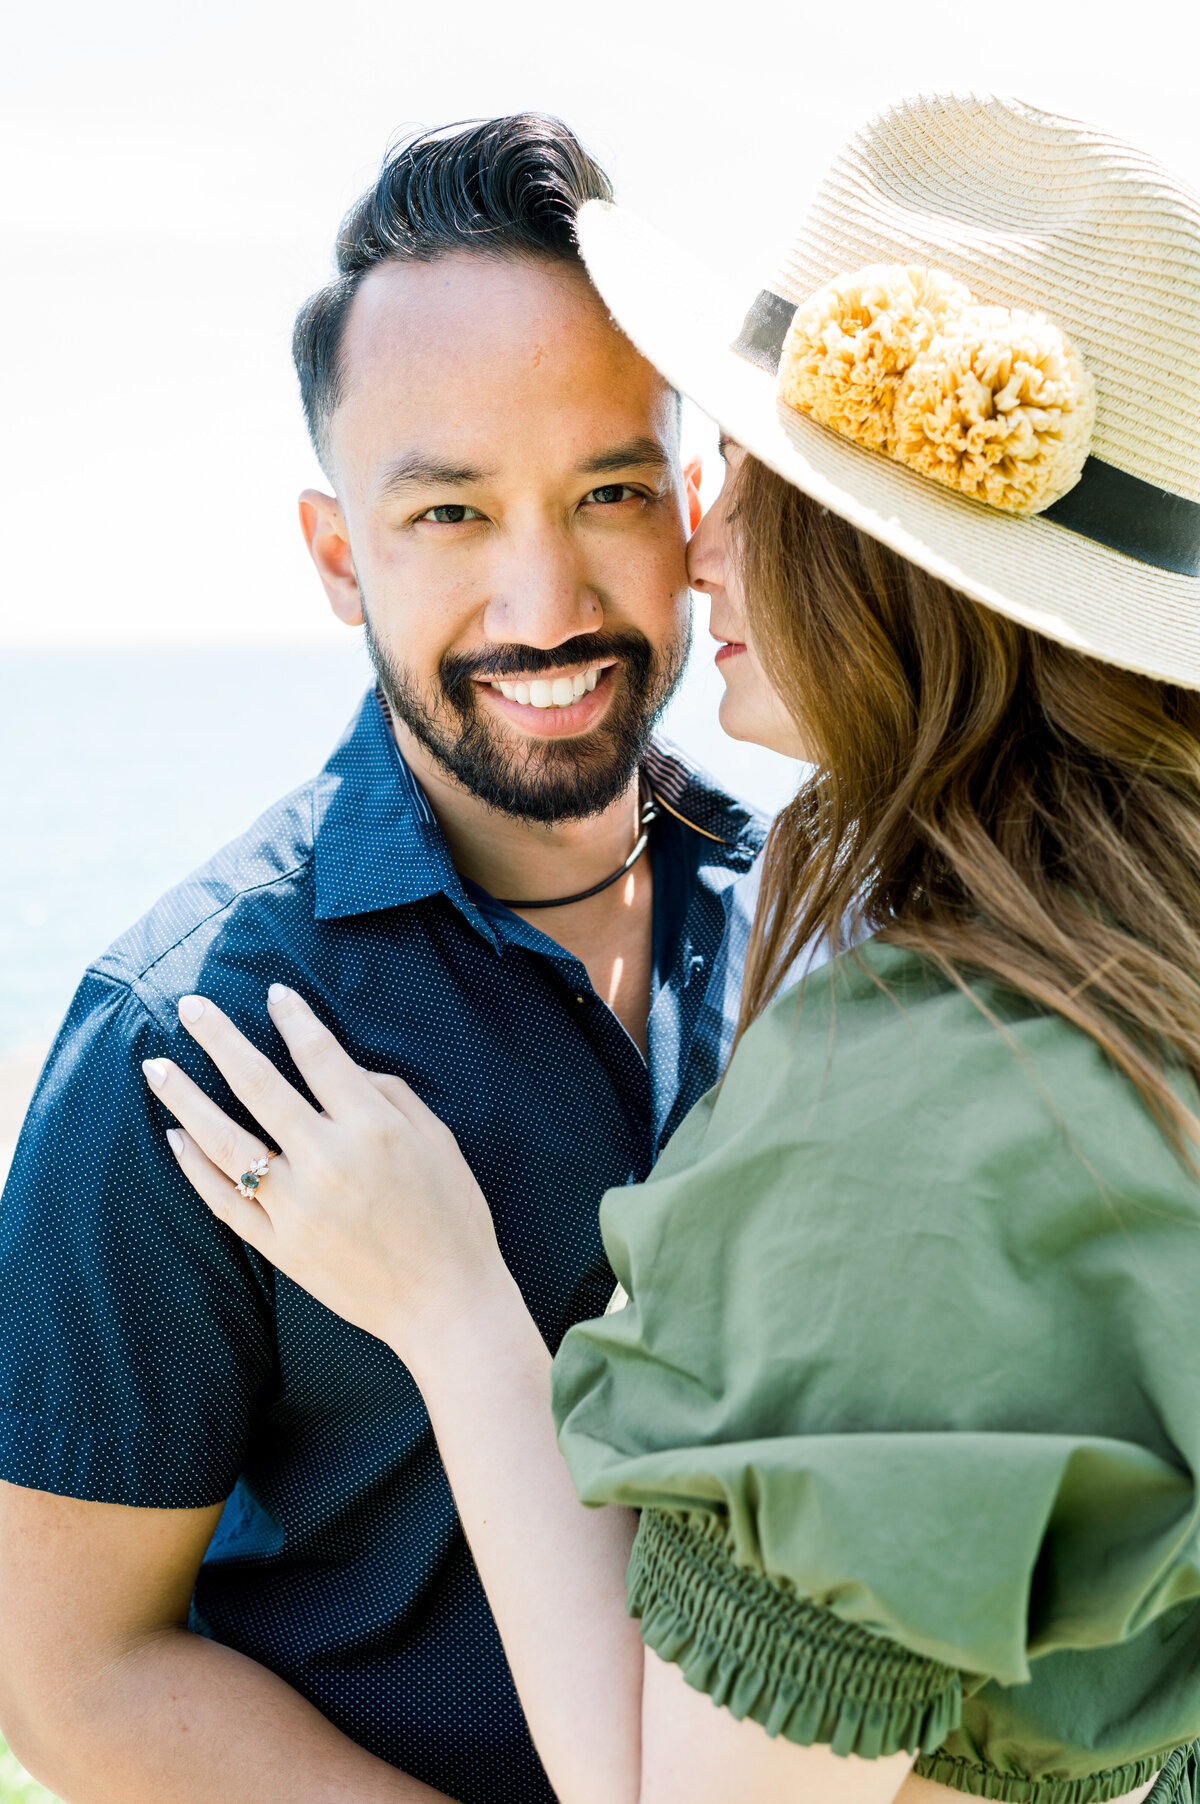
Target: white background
173, 175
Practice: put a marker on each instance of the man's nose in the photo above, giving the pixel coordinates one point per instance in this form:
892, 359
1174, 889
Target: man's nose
541, 593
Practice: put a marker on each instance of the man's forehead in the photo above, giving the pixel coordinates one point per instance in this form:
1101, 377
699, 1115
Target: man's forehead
467, 309
439, 358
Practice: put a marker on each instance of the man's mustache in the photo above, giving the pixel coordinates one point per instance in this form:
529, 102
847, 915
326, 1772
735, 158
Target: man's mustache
506, 660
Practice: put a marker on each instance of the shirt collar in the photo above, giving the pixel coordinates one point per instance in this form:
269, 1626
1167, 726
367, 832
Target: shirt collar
377, 844
736, 832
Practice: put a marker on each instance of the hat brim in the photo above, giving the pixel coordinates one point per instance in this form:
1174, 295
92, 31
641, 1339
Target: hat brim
1043, 575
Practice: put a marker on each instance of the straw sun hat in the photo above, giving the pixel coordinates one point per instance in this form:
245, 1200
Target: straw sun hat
983, 348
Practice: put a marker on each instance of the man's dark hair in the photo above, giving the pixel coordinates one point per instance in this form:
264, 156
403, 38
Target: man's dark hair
502, 187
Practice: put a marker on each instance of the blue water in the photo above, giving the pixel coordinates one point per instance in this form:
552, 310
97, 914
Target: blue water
121, 770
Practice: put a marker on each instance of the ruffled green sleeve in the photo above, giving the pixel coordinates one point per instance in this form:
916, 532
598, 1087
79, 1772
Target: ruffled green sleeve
776, 1658
905, 1386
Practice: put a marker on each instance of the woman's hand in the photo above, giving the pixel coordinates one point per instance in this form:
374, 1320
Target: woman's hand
370, 1206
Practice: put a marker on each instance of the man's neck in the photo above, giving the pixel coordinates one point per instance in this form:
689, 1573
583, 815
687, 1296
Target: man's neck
610, 934
509, 857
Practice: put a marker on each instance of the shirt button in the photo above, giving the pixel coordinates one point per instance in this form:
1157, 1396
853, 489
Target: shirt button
581, 998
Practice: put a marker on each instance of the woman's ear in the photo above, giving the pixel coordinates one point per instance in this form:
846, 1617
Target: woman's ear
324, 527
691, 478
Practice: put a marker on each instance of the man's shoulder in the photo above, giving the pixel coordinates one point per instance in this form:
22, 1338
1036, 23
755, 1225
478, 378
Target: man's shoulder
258, 886
695, 797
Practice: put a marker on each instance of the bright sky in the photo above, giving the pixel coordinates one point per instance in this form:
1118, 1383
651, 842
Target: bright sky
176, 175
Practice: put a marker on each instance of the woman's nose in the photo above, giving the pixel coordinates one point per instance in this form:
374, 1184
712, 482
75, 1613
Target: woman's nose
706, 556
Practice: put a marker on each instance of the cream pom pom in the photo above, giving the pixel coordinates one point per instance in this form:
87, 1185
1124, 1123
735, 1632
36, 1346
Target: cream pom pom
1000, 406
850, 346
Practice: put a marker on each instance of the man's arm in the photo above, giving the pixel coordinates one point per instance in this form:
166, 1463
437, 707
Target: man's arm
108, 1698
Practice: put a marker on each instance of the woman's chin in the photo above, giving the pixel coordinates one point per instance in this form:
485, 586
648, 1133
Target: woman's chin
739, 723
732, 725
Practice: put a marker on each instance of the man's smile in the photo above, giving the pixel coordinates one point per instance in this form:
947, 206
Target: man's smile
553, 703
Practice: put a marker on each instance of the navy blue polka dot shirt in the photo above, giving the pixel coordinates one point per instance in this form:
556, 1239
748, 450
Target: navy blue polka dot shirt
150, 1358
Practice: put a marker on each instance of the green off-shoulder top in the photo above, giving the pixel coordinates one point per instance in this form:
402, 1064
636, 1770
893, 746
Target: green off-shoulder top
907, 1390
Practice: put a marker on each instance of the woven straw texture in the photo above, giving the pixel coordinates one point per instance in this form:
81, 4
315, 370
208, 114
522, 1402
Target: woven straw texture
1027, 210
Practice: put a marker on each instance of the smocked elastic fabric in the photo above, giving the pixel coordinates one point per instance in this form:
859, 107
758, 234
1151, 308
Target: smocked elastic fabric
1178, 1773
1179, 1782
803, 1673
768, 1655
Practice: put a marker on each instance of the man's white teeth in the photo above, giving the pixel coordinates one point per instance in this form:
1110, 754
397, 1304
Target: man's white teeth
563, 692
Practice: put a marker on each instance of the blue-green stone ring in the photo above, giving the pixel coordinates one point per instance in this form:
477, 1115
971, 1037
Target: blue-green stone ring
250, 1180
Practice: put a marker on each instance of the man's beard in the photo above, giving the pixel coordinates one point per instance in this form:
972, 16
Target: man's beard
542, 780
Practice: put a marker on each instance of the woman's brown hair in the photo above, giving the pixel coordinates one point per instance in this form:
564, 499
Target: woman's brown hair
981, 794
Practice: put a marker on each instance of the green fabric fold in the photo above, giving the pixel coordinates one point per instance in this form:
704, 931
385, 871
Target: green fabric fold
783, 1662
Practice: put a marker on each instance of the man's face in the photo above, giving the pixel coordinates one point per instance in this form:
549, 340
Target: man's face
511, 522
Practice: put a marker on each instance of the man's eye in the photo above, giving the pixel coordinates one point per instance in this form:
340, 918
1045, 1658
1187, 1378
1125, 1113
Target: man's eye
612, 492
452, 514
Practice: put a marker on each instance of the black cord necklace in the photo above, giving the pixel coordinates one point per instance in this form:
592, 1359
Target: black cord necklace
647, 815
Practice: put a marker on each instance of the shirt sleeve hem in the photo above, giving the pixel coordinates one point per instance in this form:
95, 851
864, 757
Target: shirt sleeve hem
101, 1465
762, 1652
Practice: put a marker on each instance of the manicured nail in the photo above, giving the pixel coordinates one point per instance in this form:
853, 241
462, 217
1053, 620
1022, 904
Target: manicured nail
191, 1008
278, 992
156, 1071
175, 1141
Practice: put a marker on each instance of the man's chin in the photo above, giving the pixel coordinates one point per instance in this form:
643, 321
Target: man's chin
551, 780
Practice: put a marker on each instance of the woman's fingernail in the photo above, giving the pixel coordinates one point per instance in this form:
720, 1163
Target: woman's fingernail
156, 1071
278, 992
175, 1141
191, 1007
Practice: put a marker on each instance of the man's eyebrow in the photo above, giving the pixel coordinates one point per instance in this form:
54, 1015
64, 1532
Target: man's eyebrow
418, 471
623, 457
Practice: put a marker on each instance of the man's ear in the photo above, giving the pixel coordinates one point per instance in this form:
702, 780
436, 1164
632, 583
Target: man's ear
324, 527
691, 479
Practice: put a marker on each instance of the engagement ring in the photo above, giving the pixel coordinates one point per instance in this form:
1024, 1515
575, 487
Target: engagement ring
250, 1180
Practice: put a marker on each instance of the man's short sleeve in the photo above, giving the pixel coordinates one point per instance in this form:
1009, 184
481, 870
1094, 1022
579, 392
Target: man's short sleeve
138, 1340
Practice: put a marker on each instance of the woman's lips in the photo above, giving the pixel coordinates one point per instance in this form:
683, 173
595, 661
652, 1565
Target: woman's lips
730, 649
